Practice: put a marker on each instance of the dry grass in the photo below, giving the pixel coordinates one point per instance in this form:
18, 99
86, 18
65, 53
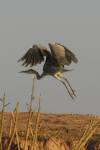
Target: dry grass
31, 131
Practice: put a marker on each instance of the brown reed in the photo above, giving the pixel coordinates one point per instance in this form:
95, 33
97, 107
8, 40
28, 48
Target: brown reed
87, 134
36, 128
2, 121
30, 112
16, 131
14, 127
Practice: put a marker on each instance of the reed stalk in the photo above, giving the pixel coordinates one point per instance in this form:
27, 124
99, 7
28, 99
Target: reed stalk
28, 127
10, 130
14, 127
16, 131
36, 128
31, 120
11, 123
2, 122
87, 134
88, 137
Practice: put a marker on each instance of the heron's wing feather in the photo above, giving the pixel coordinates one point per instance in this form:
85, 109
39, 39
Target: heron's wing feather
35, 55
69, 55
63, 55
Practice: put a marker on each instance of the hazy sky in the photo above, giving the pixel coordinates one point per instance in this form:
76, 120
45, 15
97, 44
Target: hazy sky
73, 23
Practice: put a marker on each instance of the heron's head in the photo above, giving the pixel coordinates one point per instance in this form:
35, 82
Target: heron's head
30, 71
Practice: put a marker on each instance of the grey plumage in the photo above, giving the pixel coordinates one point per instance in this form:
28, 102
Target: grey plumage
59, 56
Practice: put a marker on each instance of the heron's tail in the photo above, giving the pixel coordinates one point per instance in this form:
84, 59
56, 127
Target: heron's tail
65, 70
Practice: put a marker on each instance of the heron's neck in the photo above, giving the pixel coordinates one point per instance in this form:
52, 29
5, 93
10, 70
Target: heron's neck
37, 75
40, 76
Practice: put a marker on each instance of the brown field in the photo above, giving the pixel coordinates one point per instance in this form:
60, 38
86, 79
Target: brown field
68, 128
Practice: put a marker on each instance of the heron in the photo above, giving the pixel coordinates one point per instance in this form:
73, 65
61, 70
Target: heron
54, 63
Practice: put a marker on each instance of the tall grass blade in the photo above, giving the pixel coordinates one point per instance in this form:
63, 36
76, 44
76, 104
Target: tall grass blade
28, 127
14, 127
36, 128
2, 122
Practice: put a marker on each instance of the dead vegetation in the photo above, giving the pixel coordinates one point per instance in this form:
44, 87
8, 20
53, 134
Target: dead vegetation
31, 130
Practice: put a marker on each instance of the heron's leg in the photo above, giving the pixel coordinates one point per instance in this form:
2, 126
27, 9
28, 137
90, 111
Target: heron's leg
60, 75
70, 86
67, 89
64, 84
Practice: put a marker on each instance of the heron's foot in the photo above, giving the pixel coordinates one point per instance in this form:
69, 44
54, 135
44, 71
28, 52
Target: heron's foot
74, 93
71, 95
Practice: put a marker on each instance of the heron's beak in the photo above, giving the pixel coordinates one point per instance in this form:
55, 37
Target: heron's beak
21, 72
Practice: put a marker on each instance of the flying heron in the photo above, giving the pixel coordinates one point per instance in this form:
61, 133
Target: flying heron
54, 63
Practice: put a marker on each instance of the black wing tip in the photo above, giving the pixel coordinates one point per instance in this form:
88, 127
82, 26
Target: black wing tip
19, 60
75, 60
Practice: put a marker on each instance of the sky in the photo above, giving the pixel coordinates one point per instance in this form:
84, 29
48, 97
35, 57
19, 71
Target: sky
74, 24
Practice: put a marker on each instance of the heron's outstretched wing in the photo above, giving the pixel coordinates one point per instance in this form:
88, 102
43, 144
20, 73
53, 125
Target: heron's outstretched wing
63, 55
35, 55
